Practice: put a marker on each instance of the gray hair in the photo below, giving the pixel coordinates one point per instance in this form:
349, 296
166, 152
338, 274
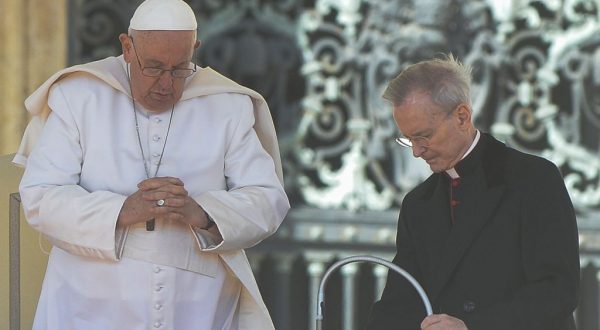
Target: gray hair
132, 32
446, 80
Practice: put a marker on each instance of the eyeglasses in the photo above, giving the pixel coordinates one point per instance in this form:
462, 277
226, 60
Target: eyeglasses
413, 142
419, 141
158, 72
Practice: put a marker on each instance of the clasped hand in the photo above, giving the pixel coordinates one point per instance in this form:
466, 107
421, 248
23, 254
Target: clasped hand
442, 322
142, 205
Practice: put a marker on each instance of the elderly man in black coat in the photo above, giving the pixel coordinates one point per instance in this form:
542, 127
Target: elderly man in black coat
491, 235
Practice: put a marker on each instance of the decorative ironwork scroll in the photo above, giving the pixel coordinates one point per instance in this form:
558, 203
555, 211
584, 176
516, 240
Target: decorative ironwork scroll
536, 67
323, 64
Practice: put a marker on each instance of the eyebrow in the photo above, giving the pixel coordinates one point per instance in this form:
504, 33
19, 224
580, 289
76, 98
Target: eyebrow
159, 63
420, 133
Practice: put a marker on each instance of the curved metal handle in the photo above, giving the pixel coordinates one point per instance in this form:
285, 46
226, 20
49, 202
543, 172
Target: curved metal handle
396, 268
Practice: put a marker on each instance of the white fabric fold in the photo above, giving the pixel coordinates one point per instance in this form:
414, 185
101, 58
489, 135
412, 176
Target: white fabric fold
87, 188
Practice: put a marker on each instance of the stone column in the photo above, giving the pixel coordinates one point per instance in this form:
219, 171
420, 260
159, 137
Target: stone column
597, 309
380, 273
315, 269
281, 309
33, 43
349, 295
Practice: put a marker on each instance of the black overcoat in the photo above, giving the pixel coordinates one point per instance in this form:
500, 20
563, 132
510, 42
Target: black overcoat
510, 261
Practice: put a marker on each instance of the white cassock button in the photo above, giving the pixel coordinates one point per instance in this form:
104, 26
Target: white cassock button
158, 288
157, 120
156, 138
157, 306
157, 324
156, 162
156, 154
157, 269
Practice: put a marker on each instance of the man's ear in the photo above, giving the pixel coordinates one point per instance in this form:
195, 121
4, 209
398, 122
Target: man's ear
197, 44
126, 47
463, 114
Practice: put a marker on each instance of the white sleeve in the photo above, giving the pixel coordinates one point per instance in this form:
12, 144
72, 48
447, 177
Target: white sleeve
255, 203
73, 219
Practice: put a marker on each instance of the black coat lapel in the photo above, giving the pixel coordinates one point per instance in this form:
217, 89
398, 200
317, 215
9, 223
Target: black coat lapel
484, 189
431, 222
483, 201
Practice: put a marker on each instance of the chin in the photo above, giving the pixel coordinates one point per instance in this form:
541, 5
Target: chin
159, 106
436, 168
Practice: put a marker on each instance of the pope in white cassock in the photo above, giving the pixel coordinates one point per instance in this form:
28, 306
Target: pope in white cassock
150, 176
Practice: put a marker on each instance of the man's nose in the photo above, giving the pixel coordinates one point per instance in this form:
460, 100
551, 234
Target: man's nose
166, 80
417, 150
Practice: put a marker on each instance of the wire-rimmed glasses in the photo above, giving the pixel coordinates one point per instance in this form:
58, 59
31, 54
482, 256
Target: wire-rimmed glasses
420, 141
157, 72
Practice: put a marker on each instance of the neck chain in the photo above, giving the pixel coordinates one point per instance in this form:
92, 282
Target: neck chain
162, 152
149, 223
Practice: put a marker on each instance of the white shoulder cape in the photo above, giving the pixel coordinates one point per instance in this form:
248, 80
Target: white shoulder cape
111, 70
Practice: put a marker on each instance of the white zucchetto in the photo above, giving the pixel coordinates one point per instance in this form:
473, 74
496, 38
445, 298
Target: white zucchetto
164, 15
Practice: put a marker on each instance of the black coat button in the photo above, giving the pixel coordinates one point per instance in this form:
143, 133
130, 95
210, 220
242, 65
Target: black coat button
468, 306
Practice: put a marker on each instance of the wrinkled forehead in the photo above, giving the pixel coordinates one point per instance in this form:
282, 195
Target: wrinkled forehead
164, 48
415, 97
419, 103
416, 113
154, 35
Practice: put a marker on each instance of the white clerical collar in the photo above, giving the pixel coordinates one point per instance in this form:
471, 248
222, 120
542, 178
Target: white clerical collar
452, 172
